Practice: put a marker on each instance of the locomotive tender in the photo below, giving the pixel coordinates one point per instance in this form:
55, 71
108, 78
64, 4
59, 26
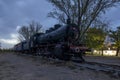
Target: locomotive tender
60, 43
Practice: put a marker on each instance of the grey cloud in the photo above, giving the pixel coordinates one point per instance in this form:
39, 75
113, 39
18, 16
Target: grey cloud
20, 12
15, 13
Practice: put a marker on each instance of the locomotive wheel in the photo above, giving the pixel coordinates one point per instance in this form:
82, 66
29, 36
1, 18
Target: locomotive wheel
38, 52
79, 57
60, 54
58, 51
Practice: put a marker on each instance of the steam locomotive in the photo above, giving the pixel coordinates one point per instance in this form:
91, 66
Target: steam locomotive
59, 43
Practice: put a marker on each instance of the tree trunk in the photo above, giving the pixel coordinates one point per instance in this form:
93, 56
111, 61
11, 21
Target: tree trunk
92, 52
102, 51
117, 52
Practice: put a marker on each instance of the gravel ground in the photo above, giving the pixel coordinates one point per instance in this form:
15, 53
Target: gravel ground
22, 67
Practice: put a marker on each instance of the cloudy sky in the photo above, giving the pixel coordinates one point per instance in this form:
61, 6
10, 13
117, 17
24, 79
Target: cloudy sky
15, 13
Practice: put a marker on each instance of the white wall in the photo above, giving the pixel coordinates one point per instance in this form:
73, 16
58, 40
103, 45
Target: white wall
105, 52
109, 52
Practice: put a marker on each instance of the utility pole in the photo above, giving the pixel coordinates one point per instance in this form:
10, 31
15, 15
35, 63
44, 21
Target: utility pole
0, 46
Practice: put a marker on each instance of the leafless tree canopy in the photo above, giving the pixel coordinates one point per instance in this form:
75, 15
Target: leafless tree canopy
84, 13
26, 31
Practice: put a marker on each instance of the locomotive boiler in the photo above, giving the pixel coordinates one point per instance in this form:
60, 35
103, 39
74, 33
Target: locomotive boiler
59, 43
67, 33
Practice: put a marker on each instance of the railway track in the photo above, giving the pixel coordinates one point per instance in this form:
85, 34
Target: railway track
113, 70
110, 69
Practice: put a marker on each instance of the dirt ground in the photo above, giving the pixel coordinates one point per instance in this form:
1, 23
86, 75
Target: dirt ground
104, 59
22, 67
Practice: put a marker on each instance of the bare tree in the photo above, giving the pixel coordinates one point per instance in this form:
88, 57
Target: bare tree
26, 31
84, 13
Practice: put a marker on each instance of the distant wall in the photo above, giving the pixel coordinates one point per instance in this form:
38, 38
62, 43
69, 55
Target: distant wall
109, 52
105, 52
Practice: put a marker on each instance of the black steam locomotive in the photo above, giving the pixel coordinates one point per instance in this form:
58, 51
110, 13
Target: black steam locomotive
58, 43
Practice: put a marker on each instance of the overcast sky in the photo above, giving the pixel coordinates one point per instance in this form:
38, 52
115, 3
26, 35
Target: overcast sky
15, 13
